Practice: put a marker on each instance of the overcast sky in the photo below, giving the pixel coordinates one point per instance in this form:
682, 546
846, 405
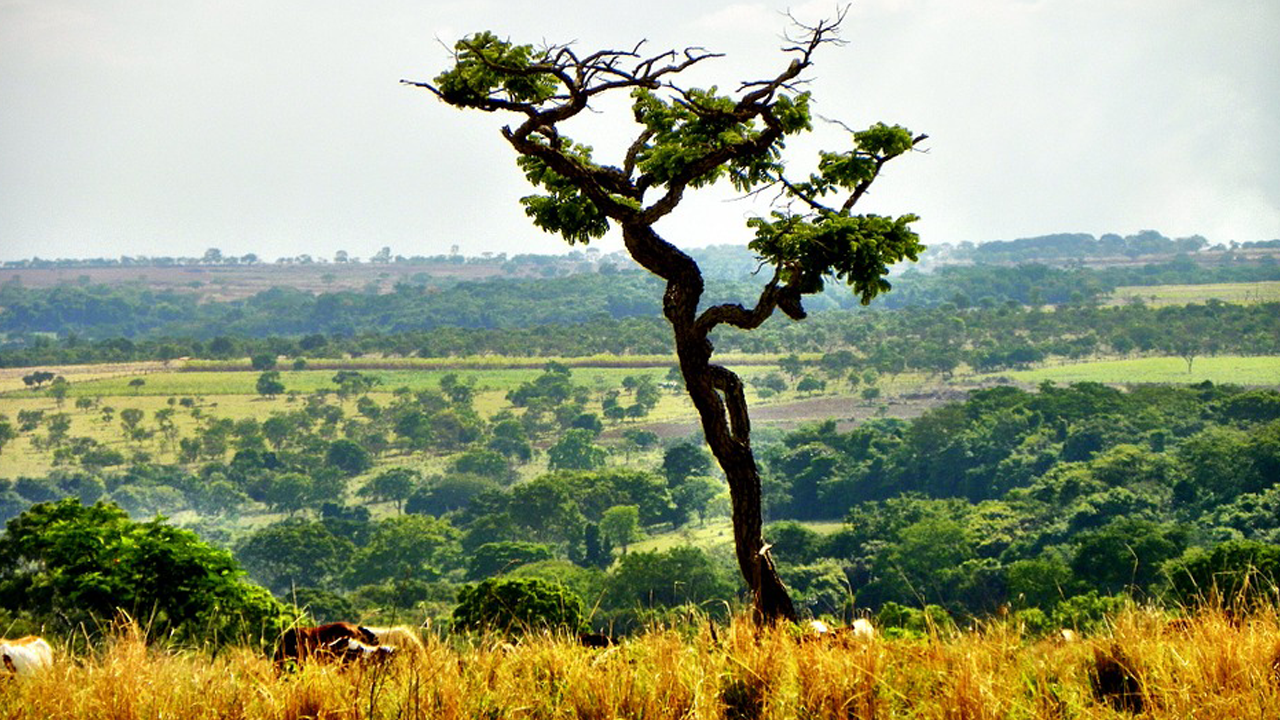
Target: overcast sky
132, 127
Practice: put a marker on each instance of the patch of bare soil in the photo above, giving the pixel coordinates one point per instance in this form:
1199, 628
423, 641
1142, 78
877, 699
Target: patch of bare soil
847, 411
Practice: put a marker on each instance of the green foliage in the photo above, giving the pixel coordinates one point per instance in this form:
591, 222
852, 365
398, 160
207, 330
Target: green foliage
348, 457
502, 557
576, 451
269, 384
684, 460
77, 566
1240, 575
908, 622
620, 526
413, 547
295, 553
263, 361
486, 67
1089, 612
517, 606
563, 210
679, 576
394, 484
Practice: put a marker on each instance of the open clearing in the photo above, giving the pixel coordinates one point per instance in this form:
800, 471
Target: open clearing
1226, 369
1235, 293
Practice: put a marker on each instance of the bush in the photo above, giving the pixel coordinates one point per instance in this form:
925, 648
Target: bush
1089, 612
500, 557
1237, 575
75, 567
516, 606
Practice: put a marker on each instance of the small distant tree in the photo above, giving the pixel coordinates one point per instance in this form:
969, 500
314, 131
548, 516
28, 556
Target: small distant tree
393, 484
58, 390
683, 461
502, 557
348, 457
36, 379
136, 385
773, 382
351, 382
263, 361
576, 451
7, 432
620, 526
269, 384
792, 365
686, 139
810, 384
694, 496
131, 419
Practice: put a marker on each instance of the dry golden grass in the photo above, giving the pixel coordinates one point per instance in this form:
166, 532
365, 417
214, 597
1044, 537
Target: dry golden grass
1210, 668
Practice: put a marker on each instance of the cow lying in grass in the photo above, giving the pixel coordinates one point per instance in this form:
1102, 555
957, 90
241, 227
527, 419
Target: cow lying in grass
341, 642
25, 656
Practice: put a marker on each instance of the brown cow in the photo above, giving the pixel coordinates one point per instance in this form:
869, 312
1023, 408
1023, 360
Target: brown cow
302, 643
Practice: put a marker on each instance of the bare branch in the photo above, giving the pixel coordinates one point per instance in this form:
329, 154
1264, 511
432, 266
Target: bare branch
738, 316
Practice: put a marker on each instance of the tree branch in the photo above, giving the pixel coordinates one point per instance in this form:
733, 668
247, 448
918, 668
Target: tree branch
862, 187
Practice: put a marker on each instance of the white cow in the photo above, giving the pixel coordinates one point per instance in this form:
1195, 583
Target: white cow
26, 656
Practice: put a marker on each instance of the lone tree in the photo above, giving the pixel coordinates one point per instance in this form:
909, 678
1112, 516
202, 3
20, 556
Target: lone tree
686, 139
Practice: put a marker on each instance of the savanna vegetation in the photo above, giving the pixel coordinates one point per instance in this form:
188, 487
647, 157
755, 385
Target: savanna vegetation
1144, 666
503, 462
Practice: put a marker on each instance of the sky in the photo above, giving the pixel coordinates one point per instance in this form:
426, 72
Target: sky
279, 127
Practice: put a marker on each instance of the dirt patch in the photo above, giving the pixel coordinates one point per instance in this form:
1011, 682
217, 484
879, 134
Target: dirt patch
848, 412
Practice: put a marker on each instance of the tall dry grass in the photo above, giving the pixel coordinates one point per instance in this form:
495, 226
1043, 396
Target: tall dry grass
1210, 667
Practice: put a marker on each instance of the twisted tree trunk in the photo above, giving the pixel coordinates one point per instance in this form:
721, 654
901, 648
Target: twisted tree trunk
718, 396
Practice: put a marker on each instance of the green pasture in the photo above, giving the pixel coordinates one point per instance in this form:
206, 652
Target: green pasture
1235, 293
715, 534
1225, 369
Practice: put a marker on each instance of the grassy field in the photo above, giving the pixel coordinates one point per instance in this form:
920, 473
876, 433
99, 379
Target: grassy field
1161, 295
715, 533
1221, 369
231, 394
1141, 667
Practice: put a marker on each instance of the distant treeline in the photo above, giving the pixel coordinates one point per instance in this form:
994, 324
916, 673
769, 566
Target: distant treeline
1081, 246
135, 312
933, 340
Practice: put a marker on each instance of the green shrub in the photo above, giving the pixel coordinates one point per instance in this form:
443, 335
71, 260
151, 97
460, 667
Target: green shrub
515, 606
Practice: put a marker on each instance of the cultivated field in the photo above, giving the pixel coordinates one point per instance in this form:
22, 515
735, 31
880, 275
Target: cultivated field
1227, 369
1235, 293
1211, 668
